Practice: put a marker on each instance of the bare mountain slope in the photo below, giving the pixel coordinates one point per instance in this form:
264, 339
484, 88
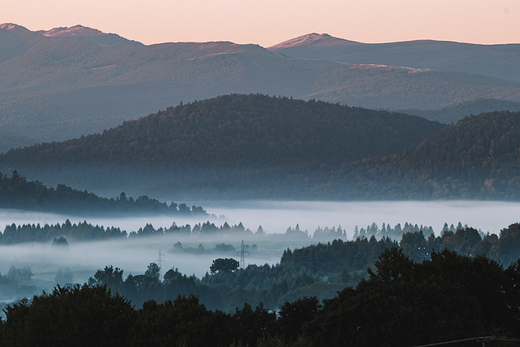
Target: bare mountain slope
500, 61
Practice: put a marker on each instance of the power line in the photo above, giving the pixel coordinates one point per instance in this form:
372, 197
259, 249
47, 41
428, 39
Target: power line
482, 339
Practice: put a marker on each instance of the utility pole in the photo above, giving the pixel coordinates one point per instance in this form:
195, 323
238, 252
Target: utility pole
242, 253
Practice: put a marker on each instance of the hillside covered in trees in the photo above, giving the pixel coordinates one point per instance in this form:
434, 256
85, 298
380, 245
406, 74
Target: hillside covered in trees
224, 145
17, 192
255, 146
478, 158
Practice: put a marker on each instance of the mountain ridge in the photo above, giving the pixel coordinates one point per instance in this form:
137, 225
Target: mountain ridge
495, 60
76, 30
58, 88
313, 39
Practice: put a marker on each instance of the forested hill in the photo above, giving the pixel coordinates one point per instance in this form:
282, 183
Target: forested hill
244, 130
477, 158
17, 192
233, 132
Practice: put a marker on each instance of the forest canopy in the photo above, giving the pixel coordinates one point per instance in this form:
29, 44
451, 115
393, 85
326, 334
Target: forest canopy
17, 192
250, 143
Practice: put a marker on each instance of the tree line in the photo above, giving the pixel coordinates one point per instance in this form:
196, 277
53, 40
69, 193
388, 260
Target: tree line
84, 231
317, 270
18, 193
401, 303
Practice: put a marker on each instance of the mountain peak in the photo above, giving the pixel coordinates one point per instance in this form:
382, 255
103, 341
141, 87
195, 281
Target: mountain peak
314, 40
77, 30
13, 27
8, 26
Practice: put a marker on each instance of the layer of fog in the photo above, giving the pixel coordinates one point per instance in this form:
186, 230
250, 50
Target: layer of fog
134, 255
277, 216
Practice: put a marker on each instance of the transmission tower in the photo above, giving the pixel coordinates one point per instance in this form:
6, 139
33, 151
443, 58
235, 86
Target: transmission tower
159, 262
242, 253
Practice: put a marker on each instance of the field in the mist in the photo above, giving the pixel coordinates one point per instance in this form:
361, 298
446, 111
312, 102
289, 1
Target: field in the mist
134, 255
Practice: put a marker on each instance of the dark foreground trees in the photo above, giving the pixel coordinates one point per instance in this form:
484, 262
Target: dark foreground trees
402, 303
405, 303
75, 316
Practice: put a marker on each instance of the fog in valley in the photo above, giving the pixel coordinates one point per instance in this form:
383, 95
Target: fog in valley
194, 255
277, 216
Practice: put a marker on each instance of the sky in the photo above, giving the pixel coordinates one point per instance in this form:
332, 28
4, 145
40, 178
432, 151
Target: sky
268, 22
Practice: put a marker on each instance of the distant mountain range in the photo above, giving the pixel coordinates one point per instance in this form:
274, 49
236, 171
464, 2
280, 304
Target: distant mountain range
67, 82
499, 61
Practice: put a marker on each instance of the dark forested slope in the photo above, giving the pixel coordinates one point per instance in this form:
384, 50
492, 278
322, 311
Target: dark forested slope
255, 146
240, 134
18, 193
477, 158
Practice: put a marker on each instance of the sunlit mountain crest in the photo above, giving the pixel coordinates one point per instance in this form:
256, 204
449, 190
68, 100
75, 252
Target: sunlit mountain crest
15, 28
77, 30
7, 26
313, 40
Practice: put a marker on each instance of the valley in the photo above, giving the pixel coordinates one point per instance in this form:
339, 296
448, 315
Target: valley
258, 194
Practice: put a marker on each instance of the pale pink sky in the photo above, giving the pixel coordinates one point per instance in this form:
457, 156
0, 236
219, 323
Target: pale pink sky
268, 22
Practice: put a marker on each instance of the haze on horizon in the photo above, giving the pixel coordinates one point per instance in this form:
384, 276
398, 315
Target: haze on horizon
269, 22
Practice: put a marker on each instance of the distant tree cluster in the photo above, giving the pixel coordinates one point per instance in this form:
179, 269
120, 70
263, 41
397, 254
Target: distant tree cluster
221, 265
18, 193
59, 234
220, 248
362, 252
17, 282
395, 233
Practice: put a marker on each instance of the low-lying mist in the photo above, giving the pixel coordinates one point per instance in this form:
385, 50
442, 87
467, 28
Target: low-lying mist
194, 255
277, 216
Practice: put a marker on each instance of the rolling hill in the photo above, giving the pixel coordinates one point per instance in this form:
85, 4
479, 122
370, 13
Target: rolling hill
235, 145
67, 82
478, 158
256, 146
